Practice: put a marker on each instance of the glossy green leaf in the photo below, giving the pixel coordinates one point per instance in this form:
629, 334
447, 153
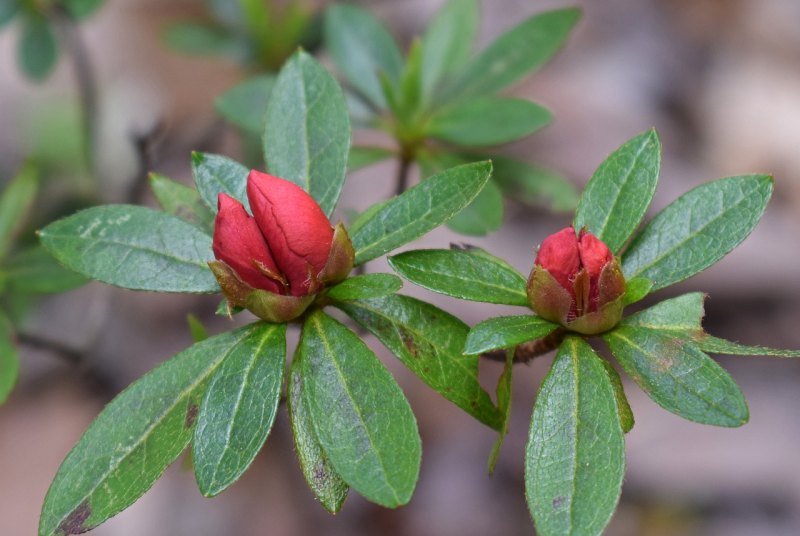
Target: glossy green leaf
9, 360
200, 39
38, 49
503, 407
534, 185
365, 286
465, 274
135, 438
636, 289
307, 137
182, 201
238, 410
623, 407
322, 478
697, 229
16, 201
483, 216
133, 247
447, 44
419, 210
678, 376
362, 419
715, 345
429, 342
197, 330
681, 315
615, 200
361, 157
575, 456
245, 105
82, 8
487, 121
506, 332
516, 53
35, 271
361, 48
214, 174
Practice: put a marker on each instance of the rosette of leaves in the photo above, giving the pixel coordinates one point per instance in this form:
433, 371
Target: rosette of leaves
38, 46
442, 103
575, 458
351, 422
25, 270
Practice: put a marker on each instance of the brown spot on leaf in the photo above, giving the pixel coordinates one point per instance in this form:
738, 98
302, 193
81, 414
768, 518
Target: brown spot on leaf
558, 502
408, 342
191, 415
75, 522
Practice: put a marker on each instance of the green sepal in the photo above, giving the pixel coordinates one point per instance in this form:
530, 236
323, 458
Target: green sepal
340, 259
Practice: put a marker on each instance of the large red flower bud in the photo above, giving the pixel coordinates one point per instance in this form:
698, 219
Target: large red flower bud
276, 261
577, 282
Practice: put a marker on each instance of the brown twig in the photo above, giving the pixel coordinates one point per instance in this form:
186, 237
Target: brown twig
403, 172
531, 349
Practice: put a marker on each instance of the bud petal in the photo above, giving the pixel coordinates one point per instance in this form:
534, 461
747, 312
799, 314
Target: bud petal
559, 255
298, 233
341, 259
548, 298
239, 243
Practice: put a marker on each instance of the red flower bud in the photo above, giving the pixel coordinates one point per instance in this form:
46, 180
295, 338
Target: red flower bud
577, 282
274, 262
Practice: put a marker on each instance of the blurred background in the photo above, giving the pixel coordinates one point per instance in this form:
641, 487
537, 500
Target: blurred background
719, 79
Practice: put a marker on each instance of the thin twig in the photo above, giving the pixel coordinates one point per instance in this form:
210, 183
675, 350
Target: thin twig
531, 349
69, 354
403, 171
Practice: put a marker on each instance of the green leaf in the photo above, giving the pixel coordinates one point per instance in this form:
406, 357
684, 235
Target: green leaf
214, 174
678, 376
616, 198
80, 9
200, 39
245, 105
365, 286
503, 407
462, 274
682, 315
419, 210
429, 342
636, 289
16, 201
8, 10
483, 216
361, 157
447, 44
575, 456
362, 49
533, 184
182, 201
35, 271
135, 438
197, 330
362, 419
238, 410
506, 332
9, 360
38, 48
133, 247
623, 407
715, 345
487, 121
307, 137
697, 229
516, 53
322, 478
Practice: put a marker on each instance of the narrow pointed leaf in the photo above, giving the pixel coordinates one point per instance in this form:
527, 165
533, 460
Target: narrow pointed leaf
680, 315
197, 330
245, 105
636, 289
623, 407
516, 53
361, 157
16, 201
35, 271
9, 359
678, 376
238, 410
38, 48
135, 438
575, 456
506, 332
715, 345
429, 342
133, 247
362, 49
214, 174
462, 274
503, 407
362, 419
487, 121
447, 44
307, 136
365, 286
322, 478
419, 210
697, 229
534, 184
200, 39
483, 216
182, 201
616, 198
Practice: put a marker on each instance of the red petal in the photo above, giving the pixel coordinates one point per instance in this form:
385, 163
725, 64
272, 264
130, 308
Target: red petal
238, 242
594, 254
558, 254
298, 233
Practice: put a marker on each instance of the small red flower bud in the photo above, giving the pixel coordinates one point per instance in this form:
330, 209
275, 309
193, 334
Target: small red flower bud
275, 262
577, 282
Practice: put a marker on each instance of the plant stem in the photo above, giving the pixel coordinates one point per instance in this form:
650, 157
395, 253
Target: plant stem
67, 353
531, 349
403, 171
